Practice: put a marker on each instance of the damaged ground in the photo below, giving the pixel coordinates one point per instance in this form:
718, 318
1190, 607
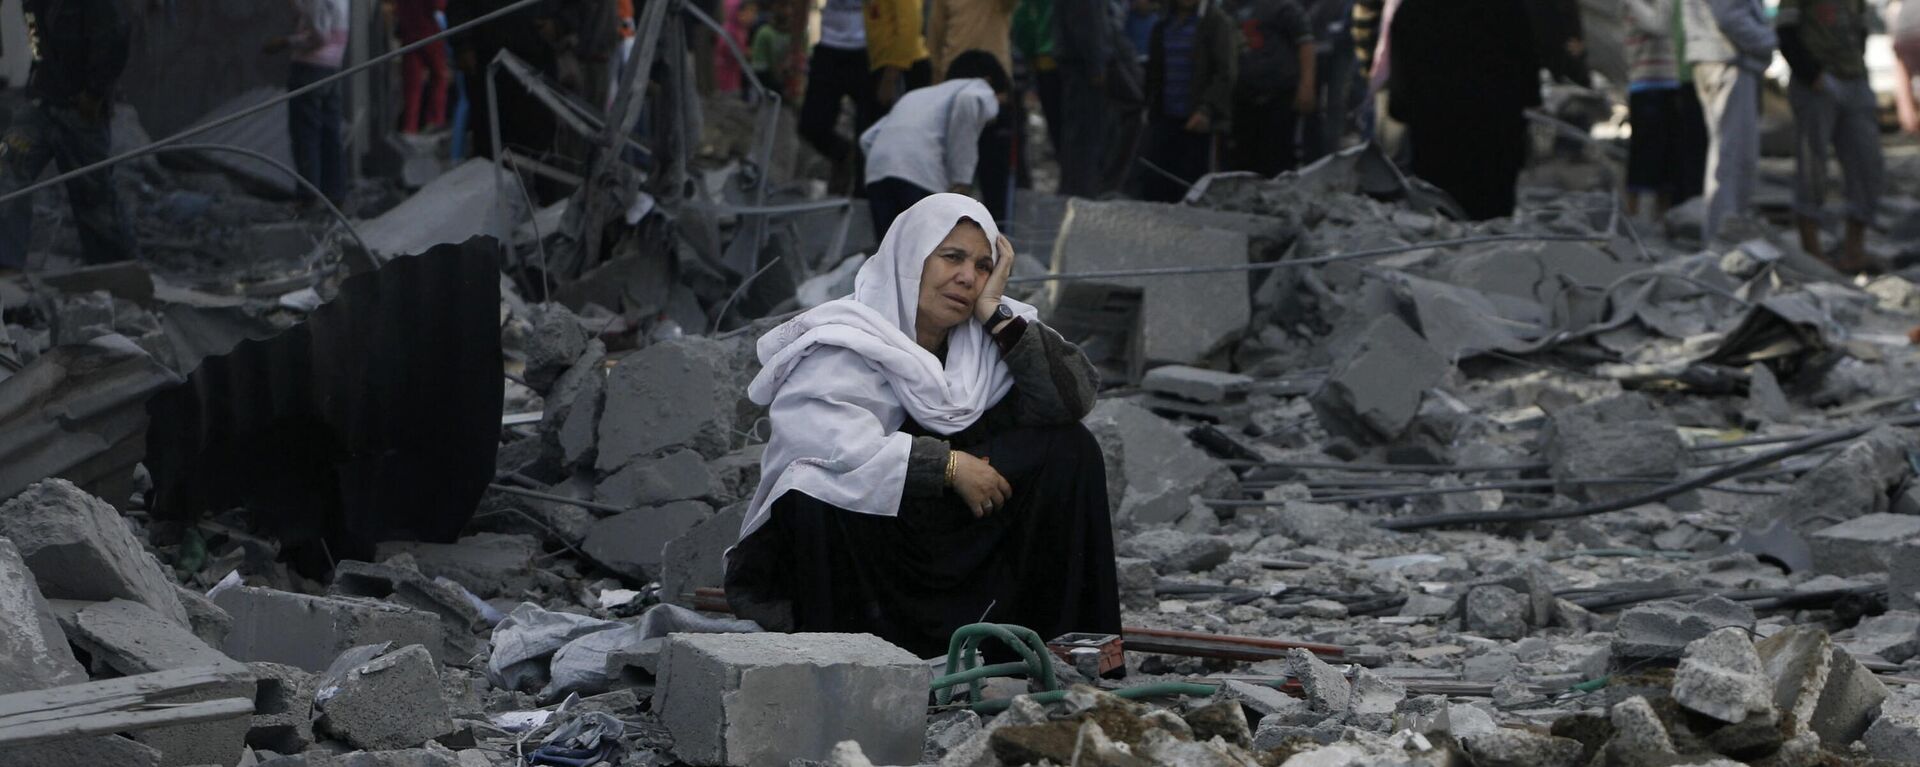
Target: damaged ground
1567, 489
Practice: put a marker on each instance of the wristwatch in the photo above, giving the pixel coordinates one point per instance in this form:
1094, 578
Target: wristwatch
1001, 315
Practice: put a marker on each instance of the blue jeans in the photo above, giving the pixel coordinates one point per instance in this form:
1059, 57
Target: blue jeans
47, 133
313, 123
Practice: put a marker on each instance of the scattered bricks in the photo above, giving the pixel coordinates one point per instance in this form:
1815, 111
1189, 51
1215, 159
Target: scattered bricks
677, 476
1862, 545
1721, 676
282, 709
697, 559
1622, 436
33, 652
1376, 385
458, 617
1798, 660
1894, 737
1849, 702
1519, 748
390, 702
1197, 384
1893, 636
1173, 551
1496, 612
129, 638
1327, 690
555, 341
1661, 630
80, 548
633, 544
209, 622
667, 395
733, 698
1638, 733
1153, 470
310, 631
487, 564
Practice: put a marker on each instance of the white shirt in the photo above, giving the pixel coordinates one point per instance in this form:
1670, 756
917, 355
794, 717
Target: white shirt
843, 25
932, 136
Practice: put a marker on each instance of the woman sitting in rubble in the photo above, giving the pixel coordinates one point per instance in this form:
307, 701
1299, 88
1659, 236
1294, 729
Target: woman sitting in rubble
927, 467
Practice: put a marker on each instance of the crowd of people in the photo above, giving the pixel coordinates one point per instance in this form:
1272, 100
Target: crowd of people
1139, 97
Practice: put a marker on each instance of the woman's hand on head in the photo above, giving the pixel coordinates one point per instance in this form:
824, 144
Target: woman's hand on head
996, 286
978, 485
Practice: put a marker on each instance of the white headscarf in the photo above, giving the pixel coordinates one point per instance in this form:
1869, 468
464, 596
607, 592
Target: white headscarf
840, 379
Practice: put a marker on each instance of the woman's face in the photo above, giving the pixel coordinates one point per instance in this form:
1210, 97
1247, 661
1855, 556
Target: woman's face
954, 275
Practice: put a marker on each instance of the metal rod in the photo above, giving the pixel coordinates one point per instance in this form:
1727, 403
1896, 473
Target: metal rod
299, 180
1175, 271
1409, 468
537, 495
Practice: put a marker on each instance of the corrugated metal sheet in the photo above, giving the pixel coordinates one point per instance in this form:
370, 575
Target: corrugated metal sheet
79, 412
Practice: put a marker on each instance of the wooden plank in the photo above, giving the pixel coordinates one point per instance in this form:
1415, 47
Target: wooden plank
118, 705
147, 715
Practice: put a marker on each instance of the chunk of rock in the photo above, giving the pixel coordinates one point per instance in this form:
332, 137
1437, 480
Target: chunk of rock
130, 639
1638, 732
80, 548
1862, 545
1721, 676
1153, 470
1327, 690
1197, 384
308, 632
1661, 630
1315, 524
33, 653
633, 544
1798, 659
1851, 484
732, 698
1894, 636
1173, 551
1374, 390
1497, 612
1623, 436
209, 622
677, 476
697, 559
1849, 701
1895, 738
1519, 748
668, 395
390, 702
459, 619
556, 341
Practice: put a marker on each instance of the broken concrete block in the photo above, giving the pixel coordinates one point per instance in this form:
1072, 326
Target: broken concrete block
33, 651
633, 544
1893, 635
209, 622
1638, 732
697, 558
1376, 694
1798, 660
1721, 676
1849, 702
282, 719
732, 698
1903, 577
1894, 737
577, 429
115, 750
1197, 384
1375, 388
487, 564
80, 548
677, 476
1862, 545
390, 702
1662, 630
1099, 236
1496, 612
309, 631
671, 394
1851, 484
1519, 748
1173, 551
459, 619
1623, 436
130, 638
1153, 470
1327, 690
1315, 524
555, 342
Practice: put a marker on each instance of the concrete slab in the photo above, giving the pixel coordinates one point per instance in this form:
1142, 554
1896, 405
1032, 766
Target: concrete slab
33, 651
677, 476
1849, 701
308, 632
80, 548
1376, 385
674, 394
633, 544
1197, 384
1863, 545
129, 638
1153, 470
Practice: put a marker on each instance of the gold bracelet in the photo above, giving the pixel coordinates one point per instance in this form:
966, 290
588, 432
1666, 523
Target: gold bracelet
950, 458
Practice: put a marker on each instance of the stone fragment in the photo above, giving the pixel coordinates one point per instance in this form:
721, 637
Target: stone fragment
1172, 551
1638, 733
633, 544
577, 428
1721, 676
487, 564
1153, 470
1099, 236
1862, 545
696, 559
1327, 690
1853, 483
1225, 720
677, 476
1197, 384
1137, 578
1519, 748
1903, 577
80, 548
33, 651
948, 731
1661, 630
1894, 737
1894, 636
733, 698
1496, 612
130, 639
1376, 694
282, 709
1849, 702
208, 621
390, 702
309, 631
1377, 383
555, 342
1623, 436
1057, 743
671, 394
114, 750
1428, 606
1315, 524
1798, 660
459, 619
1262, 700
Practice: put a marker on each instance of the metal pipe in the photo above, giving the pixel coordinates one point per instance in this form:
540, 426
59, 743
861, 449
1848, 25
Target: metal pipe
537, 495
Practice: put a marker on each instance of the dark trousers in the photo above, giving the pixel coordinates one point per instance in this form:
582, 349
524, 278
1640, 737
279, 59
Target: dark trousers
888, 198
1690, 153
1263, 134
313, 123
1085, 132
834, 74
44, 134
993, 176
1483, 179
1175, 151
1321, 133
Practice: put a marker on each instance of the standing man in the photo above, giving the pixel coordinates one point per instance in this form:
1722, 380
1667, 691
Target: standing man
1083, 42
1190, 77
896, 50
1730, 44
1824, 42
1463, 73
836, 73
314, 118
958, 26
1325, 131
1275, 89
79, 49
